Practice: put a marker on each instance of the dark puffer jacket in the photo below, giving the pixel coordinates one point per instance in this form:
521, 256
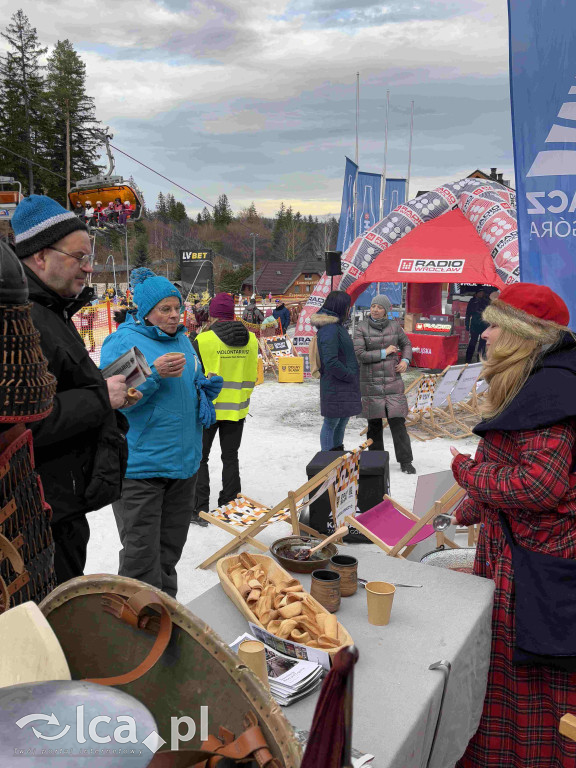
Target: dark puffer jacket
339, 381
382, 388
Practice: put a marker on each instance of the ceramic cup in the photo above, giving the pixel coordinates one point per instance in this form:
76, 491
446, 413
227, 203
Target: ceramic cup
325, 589
253, 654
380, 596
347, 567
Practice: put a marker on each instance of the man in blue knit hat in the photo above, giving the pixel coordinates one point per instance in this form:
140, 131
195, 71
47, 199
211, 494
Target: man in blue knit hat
80, 448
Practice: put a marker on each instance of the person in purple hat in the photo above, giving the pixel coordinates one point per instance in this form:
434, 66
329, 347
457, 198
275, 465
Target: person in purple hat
227, 348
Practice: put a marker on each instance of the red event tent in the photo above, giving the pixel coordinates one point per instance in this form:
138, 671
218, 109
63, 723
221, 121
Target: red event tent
443, 250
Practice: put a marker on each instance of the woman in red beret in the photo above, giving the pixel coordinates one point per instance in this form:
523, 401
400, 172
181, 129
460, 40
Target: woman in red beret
522, 475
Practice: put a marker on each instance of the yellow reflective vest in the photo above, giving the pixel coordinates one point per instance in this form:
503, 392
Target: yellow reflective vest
238, 366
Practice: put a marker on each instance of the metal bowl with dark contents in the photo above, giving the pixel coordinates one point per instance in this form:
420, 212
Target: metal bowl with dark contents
285, 551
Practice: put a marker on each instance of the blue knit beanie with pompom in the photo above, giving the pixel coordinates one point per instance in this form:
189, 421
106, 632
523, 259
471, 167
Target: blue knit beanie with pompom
149, 289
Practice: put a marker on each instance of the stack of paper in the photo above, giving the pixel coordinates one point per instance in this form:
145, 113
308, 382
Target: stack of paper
289, 678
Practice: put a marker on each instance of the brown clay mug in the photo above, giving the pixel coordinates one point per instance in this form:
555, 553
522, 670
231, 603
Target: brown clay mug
325, 589
347, 567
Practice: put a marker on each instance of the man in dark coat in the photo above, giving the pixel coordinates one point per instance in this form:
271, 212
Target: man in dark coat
80, 448
282, 313
475, 325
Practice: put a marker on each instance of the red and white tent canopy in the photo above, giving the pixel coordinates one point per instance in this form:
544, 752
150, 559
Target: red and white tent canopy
447, 249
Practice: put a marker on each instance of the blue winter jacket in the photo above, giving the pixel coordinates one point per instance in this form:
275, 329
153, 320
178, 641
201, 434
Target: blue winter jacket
339, 371
165, 435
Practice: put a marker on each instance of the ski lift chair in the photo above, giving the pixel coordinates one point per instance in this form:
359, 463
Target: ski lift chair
107, 187
10, 196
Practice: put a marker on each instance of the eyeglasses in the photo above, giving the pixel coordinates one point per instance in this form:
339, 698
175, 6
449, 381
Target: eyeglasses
86, 258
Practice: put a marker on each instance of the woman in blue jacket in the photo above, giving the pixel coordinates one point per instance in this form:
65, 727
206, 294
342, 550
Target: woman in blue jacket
165, 436
339, 373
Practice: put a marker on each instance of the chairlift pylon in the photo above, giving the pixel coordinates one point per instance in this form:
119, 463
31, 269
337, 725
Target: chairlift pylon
107, 187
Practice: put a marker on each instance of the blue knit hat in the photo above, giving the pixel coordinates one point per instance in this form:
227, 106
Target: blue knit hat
149, 289
39, 222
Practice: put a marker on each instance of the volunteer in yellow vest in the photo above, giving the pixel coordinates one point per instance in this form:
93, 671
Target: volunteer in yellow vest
231, 351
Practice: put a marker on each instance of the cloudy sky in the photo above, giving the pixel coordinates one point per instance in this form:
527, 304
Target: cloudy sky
256, 98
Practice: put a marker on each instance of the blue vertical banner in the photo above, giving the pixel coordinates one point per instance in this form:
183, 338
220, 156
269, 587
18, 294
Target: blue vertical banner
346, 227
394, 195
368, 197
543, 91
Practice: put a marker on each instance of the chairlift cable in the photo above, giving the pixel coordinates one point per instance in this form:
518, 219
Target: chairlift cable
188, 192
27, 160
162, 176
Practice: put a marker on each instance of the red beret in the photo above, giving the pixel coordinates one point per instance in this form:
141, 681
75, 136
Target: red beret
537, 300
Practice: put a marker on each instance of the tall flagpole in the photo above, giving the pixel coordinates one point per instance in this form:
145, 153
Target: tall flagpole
410, 151
356, 182
356, 157
385, 153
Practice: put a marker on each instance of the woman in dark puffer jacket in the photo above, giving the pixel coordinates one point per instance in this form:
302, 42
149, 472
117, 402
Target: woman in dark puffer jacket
339, 374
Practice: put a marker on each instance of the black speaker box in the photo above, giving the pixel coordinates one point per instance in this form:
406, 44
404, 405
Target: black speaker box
374, 483
333, 263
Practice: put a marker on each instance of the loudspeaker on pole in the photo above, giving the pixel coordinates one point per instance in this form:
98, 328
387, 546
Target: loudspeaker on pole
333, 263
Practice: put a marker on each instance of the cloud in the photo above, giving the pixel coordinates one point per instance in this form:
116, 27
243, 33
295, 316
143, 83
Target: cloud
257, 99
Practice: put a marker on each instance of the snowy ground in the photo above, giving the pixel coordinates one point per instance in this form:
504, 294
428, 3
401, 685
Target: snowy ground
280, 437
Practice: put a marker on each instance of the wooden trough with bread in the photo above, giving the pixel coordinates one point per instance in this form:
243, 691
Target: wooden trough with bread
273, 599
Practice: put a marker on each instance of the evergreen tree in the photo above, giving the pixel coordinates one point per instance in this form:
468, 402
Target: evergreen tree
175, 210
199, 219
279, 237
206, 216
222, 212
69, 103
231, 279
161, 208
141, 253
22, 99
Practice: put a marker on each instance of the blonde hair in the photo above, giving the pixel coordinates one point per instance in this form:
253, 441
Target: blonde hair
510, 360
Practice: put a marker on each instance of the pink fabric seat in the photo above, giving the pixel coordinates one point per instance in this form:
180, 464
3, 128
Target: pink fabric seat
390, 525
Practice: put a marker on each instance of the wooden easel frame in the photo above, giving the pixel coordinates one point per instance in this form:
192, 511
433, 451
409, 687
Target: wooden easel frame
446, 503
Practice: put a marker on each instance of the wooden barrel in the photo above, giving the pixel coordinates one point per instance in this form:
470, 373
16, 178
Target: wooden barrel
197, 669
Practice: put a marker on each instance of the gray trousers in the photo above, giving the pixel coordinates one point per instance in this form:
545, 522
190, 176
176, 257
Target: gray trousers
153, 518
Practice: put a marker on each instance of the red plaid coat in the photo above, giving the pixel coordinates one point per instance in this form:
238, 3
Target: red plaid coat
526, 475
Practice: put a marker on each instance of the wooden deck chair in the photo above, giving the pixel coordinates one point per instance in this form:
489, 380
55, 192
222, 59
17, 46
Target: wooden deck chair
411, 393
463, 398
446, 422
420, 422
397, 531
244, 518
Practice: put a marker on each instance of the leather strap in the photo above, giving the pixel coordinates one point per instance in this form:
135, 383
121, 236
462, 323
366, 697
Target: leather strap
250, 745
130, 611
7, 549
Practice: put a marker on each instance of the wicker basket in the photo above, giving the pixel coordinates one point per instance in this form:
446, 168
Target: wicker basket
26, 385
26, 544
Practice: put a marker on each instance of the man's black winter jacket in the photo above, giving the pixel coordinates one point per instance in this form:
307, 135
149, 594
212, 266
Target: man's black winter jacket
80, 448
